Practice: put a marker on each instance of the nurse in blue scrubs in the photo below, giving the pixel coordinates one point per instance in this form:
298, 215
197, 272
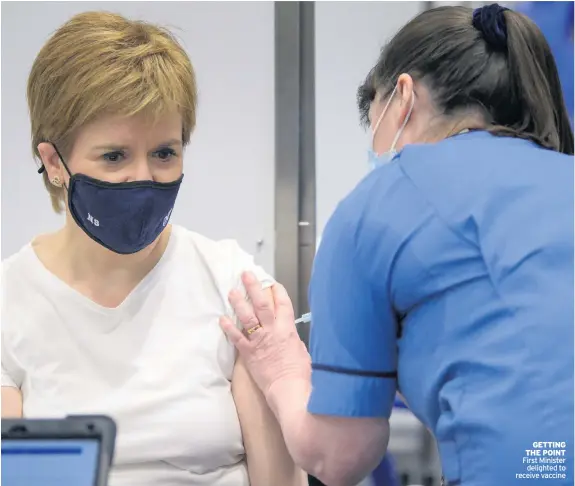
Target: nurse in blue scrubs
446, 274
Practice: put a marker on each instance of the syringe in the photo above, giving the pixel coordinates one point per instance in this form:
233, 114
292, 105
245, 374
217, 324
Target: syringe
305, 318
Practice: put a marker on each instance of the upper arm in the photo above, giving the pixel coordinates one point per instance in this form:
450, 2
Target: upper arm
11, 402
243, 262
231, 262
12, 377
268, 459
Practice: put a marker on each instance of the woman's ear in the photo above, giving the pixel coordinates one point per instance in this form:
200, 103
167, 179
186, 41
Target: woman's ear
52, 164
405, 91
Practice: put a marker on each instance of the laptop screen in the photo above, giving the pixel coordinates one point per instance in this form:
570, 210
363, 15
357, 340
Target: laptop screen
49, 462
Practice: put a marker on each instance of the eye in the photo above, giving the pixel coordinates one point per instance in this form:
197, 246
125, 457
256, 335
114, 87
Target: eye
165, 154
114, 157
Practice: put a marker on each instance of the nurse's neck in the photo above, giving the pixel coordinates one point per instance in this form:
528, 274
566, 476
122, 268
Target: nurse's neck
430, 124
440, 127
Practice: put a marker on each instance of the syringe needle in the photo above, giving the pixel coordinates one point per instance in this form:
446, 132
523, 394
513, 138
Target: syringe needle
304, 319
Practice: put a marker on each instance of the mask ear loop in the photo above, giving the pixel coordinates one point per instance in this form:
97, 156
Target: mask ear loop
61, 159
404, 124
374, 131
43, 168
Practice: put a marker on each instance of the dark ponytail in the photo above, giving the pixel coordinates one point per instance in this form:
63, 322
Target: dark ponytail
492, 59
541, 112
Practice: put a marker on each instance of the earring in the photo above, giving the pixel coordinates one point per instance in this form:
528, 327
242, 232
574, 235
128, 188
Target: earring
56, 181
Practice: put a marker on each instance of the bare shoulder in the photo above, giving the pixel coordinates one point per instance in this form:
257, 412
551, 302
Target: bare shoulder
11, 402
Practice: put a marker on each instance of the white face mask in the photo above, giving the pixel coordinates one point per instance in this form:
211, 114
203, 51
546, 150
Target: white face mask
375, 160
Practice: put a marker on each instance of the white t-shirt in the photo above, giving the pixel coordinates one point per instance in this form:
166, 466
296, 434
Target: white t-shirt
159, 363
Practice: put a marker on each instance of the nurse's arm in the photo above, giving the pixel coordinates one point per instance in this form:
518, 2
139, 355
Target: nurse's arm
339, 451
343, 435
336, 427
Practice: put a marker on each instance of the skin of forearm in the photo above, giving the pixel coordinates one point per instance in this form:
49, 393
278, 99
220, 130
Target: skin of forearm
322, 445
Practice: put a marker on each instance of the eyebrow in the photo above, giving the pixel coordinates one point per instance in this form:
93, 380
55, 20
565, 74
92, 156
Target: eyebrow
112, 147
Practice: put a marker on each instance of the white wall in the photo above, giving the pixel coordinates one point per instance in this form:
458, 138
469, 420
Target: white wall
348, 36
231, 157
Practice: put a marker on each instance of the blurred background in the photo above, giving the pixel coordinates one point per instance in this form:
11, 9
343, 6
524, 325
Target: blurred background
278, 141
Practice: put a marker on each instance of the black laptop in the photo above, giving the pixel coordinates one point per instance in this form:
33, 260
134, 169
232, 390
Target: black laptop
75, 451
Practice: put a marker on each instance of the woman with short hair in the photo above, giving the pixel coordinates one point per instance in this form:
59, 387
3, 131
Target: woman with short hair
117, 312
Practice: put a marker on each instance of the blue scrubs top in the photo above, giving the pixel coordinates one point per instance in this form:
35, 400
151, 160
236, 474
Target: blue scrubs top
452, 266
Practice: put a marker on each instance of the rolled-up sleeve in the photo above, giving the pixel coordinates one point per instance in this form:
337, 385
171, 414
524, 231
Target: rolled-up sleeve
353, 342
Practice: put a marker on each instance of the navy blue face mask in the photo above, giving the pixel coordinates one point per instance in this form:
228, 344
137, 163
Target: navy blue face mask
123, 217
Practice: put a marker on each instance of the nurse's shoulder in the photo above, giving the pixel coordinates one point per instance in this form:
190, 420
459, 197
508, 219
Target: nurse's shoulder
460, 173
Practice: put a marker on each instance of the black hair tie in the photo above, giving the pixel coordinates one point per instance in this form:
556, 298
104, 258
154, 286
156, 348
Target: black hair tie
490, 21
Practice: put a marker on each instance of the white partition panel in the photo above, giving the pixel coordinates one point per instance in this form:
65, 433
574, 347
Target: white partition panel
348, 39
